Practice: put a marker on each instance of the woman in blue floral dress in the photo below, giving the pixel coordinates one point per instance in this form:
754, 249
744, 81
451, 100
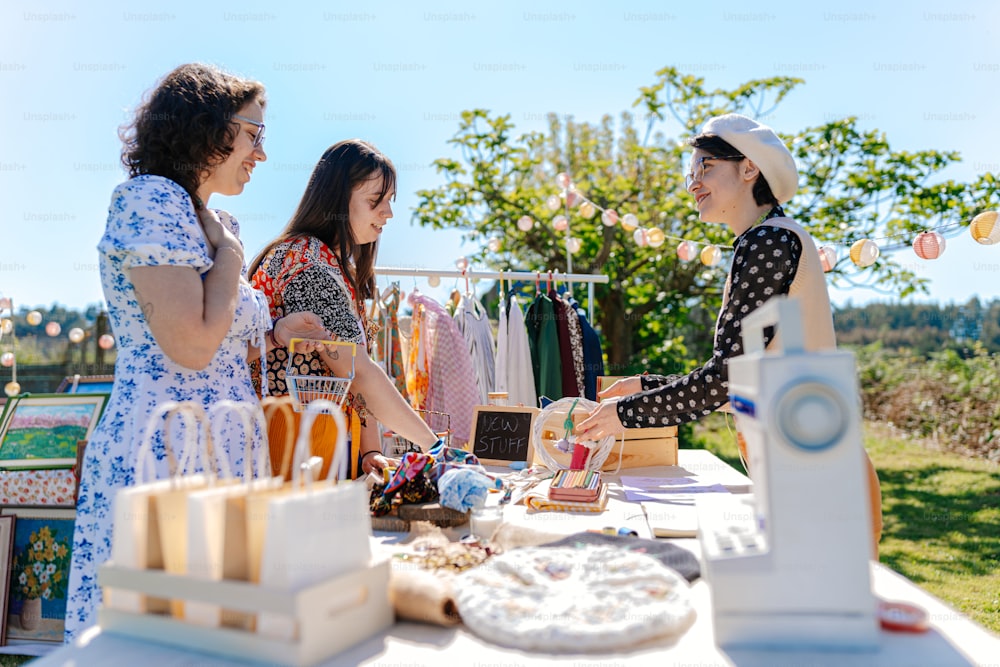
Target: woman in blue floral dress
184, 318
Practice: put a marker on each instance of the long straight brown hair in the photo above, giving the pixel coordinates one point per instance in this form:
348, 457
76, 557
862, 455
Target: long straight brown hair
324, 209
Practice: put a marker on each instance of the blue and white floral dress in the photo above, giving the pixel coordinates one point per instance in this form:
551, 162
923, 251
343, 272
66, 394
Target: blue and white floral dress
151, 222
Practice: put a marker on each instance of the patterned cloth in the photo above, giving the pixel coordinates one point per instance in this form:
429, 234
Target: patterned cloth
765, 262
37, 487
389, 343
452, 383
304, 275
595, 598
151, 222
474, 323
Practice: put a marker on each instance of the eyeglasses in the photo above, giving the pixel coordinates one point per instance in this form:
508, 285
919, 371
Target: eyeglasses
259, 137
698, 172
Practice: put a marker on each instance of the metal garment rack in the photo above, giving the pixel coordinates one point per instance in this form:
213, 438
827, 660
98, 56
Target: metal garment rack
568, 278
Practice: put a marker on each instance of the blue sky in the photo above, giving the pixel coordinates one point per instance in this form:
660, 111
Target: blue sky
398, 74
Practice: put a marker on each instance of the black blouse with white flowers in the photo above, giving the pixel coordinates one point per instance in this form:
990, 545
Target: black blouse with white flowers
765, 259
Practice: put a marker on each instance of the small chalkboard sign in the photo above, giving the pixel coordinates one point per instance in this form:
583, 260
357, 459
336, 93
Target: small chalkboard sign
502, 435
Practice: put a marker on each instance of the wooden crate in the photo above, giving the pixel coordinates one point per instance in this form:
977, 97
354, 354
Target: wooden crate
328, 617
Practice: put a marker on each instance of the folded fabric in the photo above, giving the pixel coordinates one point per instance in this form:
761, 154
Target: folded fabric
538, 500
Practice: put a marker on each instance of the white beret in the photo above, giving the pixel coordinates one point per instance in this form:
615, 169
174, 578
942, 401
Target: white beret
759, 143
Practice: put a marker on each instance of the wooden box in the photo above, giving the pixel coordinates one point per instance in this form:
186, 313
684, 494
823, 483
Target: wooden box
328, 617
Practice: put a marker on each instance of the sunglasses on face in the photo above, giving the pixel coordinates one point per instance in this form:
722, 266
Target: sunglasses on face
698, 169
259, 137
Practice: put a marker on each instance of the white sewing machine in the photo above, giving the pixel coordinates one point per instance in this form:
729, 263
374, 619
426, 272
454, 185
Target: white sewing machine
789, 567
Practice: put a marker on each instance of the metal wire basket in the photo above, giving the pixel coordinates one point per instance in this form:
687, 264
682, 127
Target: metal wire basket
440, 423
304, 389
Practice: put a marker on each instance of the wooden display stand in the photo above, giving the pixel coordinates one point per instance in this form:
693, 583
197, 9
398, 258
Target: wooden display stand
329, 617
643, 446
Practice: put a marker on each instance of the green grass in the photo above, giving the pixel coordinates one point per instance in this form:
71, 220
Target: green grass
941, 514
14, 660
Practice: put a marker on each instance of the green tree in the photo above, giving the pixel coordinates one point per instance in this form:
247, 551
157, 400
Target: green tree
658, 311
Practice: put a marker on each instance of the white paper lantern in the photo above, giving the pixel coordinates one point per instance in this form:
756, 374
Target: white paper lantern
864, 252
462, 263
560, 223
433, 281
553, 202
655, 237
493, 244
76, 334
7, 359
629, 222
609, 217
587, 210
525, 223
985, 228
563, 180
574, 244
12, 389
639, 236
711, 255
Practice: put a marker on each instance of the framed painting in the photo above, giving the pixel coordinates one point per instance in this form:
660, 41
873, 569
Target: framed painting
6, 558
86, 384
39, 431
39, 574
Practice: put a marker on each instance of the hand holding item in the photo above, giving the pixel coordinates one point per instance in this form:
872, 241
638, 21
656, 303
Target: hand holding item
624, 387
374, 462
602, 422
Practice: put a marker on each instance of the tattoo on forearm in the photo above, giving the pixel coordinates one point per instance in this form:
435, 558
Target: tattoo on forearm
145, 306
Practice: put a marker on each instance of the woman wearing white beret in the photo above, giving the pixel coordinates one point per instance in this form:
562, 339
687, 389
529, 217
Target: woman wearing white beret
741, 173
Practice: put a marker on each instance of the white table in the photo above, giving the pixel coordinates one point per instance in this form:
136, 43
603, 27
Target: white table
952, 640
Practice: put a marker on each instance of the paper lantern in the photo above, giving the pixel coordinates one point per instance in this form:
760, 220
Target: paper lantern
572, 198
553, 202
985, 228
609, 217
655, 237
7, 359
687, 250
587, 210
53, 329
12, 389
6, 326
4, 303
560, 223
639, 236
574, 245
493, 244
433, 281
827, 258
525, 223
106, 342
928, 245
711, 255
563, 180
76, 334
34, 318
462, 263
864, 252
629, 222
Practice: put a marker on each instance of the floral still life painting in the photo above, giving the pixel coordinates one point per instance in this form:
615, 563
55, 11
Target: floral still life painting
43, 431
39, 574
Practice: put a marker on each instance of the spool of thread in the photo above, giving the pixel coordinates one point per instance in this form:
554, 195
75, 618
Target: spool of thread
580, 455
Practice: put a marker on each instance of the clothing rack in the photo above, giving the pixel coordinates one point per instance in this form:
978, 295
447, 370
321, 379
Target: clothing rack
568, 278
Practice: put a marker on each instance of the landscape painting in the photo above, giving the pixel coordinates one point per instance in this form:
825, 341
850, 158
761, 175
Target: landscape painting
42, 431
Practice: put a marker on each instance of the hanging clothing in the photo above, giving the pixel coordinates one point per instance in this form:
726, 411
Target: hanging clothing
452, 387
567, 364
474, 323
390, 341
576, 345
516, 369
593, 353
543, 342
418, 368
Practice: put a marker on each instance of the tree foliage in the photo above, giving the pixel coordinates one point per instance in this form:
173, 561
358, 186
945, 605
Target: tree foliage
657, 311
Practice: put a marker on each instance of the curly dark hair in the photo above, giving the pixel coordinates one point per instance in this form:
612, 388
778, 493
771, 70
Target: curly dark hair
324, 211
184, 127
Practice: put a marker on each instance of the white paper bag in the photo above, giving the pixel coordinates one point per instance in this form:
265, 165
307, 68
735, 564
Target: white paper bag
136, 536
216, 527
315, 530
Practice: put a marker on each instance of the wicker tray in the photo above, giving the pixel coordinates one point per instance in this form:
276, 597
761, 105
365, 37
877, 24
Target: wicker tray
398, 521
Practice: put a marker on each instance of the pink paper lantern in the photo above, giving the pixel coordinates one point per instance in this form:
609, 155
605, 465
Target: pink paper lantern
687, 250
827, 258
53, 329
106, 342
928, 245
609, 217
560, 223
